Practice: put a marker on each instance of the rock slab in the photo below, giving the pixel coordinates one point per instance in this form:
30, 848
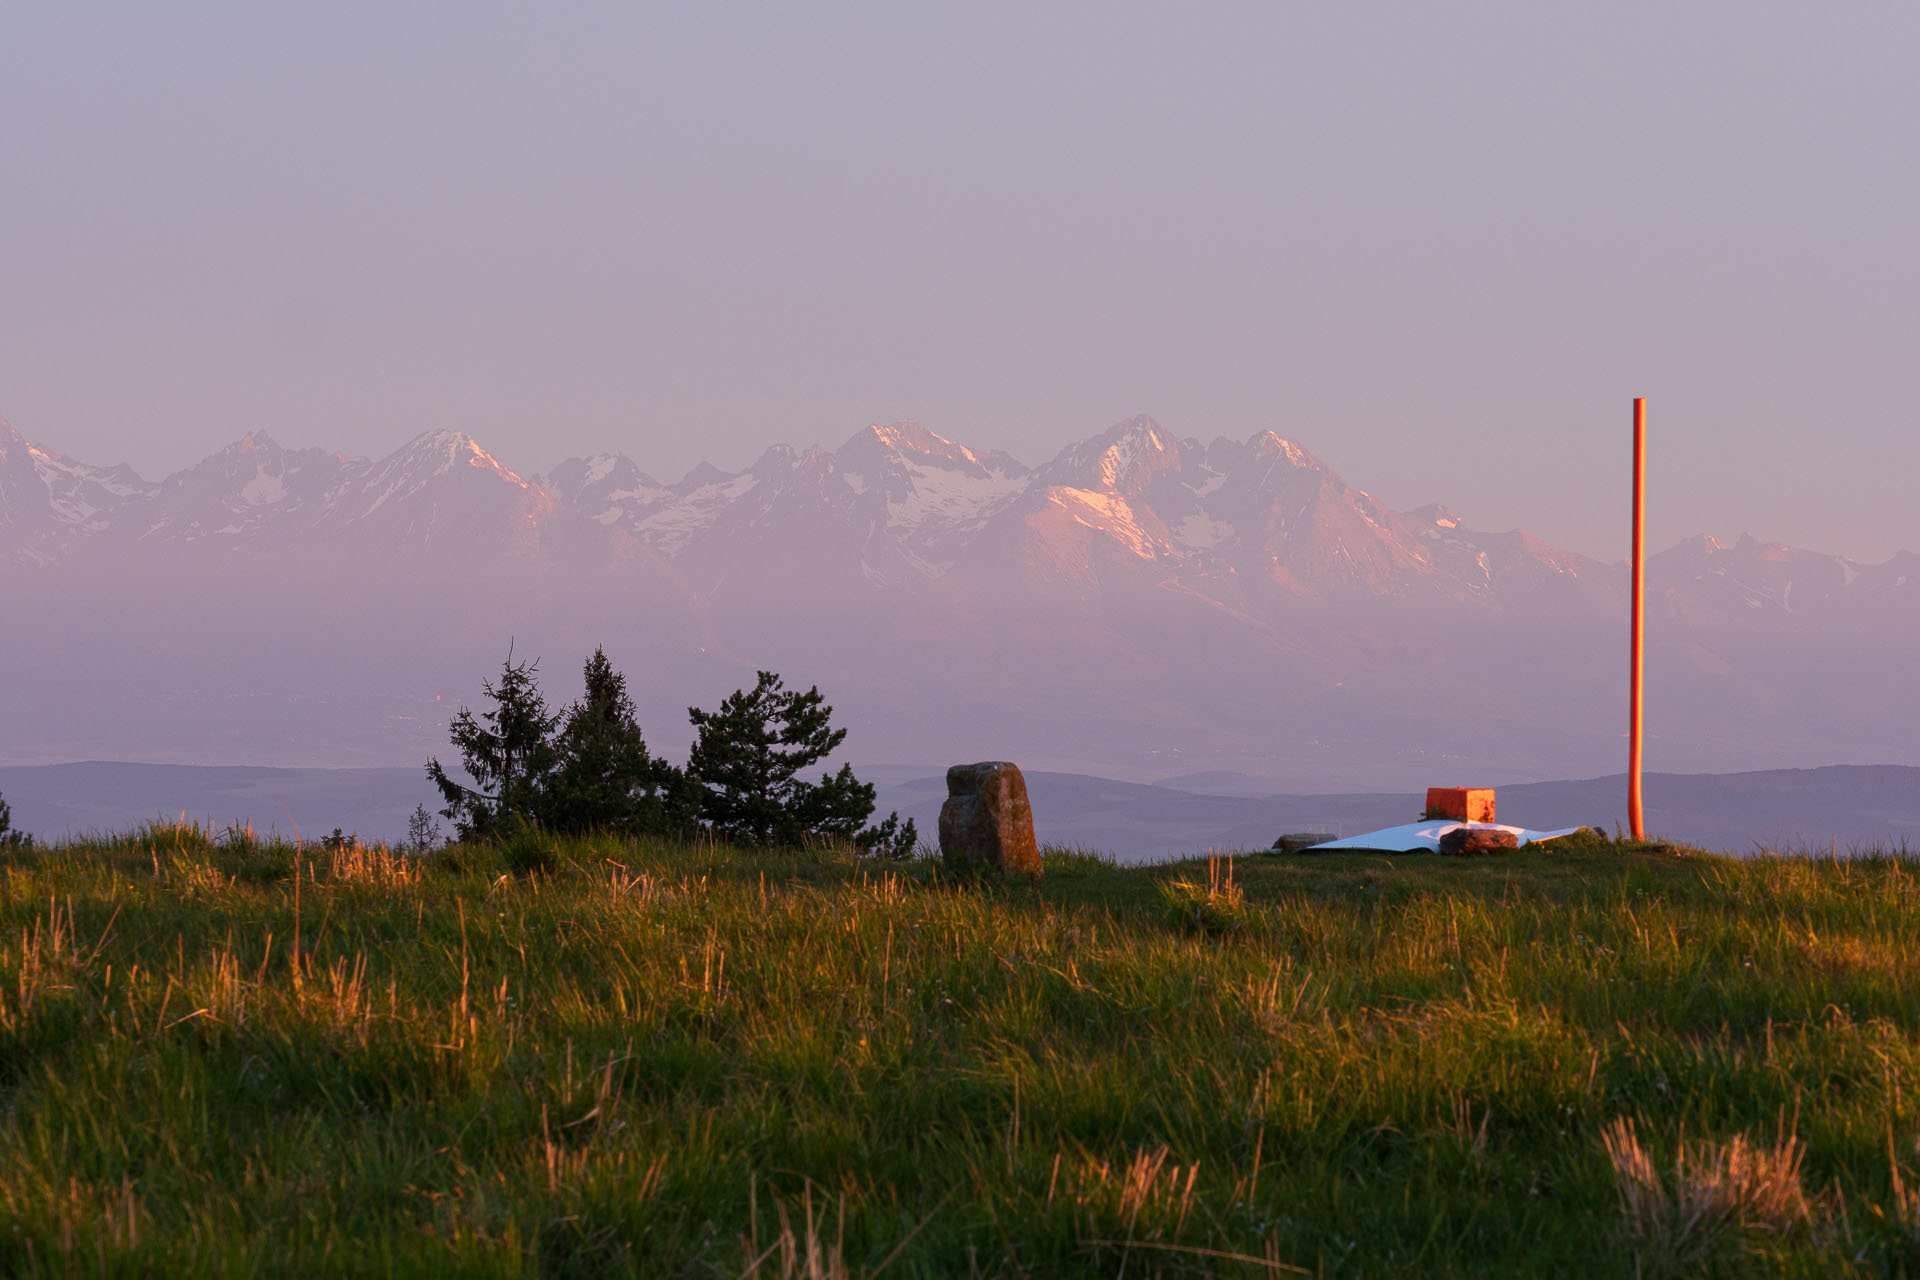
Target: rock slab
1299, 841
987, 821
1464, 842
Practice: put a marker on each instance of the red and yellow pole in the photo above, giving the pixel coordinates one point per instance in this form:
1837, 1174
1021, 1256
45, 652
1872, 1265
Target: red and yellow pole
1637, 651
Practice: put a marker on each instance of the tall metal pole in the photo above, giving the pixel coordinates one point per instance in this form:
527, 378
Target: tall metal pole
1638, 655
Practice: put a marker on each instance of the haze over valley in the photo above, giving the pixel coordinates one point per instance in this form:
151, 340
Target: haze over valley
1141, 606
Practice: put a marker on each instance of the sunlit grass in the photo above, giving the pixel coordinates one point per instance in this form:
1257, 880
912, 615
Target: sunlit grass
220, 1054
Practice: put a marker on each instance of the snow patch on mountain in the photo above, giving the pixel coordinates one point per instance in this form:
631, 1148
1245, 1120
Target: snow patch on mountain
1199, 532
941, 508
264, 489
672, 529
599, 467
1109, 514
65, 483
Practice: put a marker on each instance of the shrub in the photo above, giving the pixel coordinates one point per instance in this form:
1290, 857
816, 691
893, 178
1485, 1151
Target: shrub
889, 840
528, 849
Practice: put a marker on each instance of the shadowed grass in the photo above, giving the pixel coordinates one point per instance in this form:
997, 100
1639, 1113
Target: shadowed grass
597, 1057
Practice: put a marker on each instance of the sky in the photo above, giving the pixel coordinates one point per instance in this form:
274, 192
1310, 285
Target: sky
1442, 246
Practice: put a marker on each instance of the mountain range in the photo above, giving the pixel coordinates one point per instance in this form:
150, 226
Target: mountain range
1140, 604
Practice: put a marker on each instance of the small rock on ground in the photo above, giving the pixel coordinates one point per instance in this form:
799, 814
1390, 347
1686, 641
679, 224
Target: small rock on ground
1467, 841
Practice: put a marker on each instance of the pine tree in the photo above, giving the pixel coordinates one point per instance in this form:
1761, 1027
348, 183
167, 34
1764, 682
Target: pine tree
604, 778
747, 759
507, 751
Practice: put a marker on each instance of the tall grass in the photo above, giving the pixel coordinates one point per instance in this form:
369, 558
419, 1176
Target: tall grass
1717, 1190
223, 1056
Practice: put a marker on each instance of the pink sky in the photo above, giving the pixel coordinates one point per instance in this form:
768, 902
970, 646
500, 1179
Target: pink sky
1442, 248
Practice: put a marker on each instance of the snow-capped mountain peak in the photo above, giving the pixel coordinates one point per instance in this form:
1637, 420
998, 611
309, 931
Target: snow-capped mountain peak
440, 452
903, 440
1269, 444
609, 488
928, 494
1123, 460
896, 504
50, 503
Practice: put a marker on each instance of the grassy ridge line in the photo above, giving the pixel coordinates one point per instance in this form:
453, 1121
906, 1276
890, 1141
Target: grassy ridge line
651, 1059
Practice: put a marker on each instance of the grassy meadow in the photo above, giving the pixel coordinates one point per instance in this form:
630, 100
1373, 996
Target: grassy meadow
586, 1058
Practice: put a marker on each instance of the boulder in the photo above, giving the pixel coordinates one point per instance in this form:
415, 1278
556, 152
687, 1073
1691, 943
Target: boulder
1296, 841
1466, 841
986, 822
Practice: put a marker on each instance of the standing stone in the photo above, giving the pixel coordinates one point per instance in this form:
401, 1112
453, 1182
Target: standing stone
986, 821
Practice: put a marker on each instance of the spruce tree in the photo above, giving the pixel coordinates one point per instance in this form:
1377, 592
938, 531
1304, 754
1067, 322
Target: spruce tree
746, 763
423, 833
507, 751
604, 778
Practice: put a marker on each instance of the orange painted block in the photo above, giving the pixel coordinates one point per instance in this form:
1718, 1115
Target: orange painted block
1462, 804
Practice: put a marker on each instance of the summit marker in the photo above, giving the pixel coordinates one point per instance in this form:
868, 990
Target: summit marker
1637, 647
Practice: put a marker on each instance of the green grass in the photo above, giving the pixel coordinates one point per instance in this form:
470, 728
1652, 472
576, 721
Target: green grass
227, 1058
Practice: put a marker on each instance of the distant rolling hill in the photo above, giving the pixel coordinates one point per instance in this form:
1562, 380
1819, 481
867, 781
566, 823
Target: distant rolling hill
97, 796
1789, 810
